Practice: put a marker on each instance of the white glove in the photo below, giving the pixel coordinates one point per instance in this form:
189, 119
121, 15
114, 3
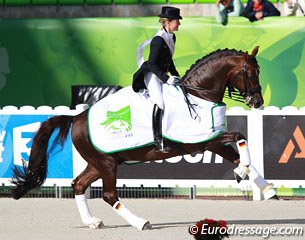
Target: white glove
173, 80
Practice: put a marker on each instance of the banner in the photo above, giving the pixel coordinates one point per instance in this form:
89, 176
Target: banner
284, 147
16, 132
40, 59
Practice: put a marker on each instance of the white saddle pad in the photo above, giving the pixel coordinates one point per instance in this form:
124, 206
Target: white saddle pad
123, 120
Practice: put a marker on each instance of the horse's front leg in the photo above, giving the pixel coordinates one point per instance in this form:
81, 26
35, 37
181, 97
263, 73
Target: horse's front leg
79, 185
222, 146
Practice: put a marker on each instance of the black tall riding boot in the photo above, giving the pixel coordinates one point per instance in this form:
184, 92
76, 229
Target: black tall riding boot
157, 130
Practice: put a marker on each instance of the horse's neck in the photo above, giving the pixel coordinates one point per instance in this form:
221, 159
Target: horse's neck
209, 95
211, 75
210, 87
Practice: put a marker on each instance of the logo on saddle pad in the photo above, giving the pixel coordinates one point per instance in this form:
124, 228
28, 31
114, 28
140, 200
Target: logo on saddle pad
118, 121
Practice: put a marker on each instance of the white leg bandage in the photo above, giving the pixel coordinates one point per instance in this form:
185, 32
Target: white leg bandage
244, 154
257, 178
266, 188
132, 219
85, 214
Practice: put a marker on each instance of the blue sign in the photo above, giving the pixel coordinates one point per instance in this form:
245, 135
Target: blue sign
16, 135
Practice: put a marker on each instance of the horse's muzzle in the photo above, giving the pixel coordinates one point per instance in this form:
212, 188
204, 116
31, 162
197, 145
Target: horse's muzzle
254, 101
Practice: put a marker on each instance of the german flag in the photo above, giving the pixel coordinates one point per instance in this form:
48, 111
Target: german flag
118, 206
242, 144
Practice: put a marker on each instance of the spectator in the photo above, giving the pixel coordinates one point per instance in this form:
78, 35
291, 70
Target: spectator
259, 9
294, 8
225, 8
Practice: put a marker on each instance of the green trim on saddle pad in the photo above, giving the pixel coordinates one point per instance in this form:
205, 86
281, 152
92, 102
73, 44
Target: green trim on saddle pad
212, 110
206, 140
122, 149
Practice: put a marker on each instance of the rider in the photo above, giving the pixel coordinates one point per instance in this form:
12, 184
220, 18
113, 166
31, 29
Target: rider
154, 72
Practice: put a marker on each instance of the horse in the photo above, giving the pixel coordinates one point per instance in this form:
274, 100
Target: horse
208, 79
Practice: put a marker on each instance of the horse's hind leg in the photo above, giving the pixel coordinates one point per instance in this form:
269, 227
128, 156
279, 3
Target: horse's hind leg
242, 159
110, 196
99, 166
80, 184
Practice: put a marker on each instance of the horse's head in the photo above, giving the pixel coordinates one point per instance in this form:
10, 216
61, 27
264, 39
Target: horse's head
208, 77
246, 80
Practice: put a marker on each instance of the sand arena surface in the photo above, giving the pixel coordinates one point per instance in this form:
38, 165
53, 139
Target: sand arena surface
58, 219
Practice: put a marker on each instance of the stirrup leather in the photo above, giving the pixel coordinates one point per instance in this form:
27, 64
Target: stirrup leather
160, 147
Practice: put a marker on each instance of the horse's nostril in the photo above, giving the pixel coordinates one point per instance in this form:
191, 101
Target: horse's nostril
258, 104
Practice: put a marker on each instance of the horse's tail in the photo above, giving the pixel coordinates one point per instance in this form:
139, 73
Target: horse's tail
35, 173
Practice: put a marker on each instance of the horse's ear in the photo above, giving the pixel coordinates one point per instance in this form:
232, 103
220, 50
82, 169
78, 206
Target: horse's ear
246, 56
255, 51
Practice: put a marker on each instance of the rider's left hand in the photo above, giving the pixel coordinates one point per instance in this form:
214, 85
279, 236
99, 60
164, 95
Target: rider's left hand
173, 80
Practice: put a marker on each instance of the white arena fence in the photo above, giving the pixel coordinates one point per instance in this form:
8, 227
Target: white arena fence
275, 137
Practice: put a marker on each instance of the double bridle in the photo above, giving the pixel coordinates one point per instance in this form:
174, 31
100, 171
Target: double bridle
246, 79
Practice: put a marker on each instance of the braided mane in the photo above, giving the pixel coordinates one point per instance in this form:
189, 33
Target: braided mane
209, 59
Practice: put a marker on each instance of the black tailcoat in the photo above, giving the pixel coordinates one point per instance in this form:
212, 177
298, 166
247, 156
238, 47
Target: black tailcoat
159, 62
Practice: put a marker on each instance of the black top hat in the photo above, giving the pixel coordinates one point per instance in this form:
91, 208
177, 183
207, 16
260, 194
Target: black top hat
170, 12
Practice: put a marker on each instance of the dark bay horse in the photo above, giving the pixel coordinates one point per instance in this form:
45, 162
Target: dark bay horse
207, 79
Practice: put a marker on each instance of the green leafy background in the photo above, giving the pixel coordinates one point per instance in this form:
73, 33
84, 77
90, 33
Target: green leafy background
47, 56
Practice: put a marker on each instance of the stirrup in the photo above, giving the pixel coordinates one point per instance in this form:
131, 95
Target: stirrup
160, 147
241, 172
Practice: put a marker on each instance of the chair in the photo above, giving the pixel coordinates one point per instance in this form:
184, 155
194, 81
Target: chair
90, 94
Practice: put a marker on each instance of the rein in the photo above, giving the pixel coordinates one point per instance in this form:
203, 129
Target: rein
195, 88
230, 93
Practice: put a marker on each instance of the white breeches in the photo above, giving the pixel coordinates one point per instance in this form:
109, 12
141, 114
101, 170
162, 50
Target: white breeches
155, 89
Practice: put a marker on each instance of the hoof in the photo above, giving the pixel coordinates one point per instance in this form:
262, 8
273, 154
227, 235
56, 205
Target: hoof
275, 197
96, 224
237, 178
147, 226
241, 172
269, 192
